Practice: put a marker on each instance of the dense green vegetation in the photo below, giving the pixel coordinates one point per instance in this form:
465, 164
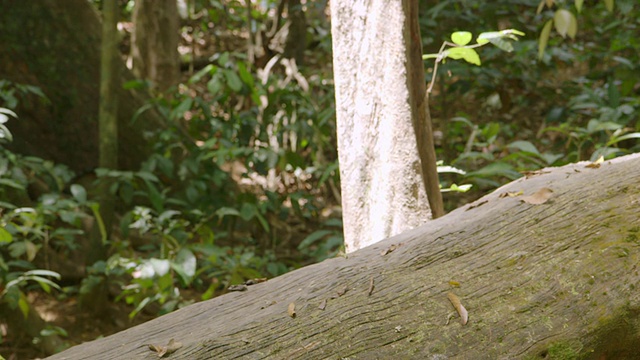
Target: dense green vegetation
243, 182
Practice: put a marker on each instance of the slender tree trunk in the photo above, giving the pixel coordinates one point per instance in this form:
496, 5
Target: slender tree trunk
154, 43
110, 67
380, 103
420, 114
108, 126
296, 42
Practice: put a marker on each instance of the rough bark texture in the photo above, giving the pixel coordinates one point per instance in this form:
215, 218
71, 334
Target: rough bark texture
154, 42
55, 45
380, 171
538, 281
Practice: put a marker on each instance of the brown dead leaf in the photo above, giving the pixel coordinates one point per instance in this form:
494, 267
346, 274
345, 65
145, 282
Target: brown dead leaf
162, 350
237, 288
539, 197
292, 310
511, 194
323, 304
388, 250
476, 205
529, 174
455, 301
371, 287
596, 164
254, 281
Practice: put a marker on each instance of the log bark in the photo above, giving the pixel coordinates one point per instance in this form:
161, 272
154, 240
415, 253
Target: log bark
538, 281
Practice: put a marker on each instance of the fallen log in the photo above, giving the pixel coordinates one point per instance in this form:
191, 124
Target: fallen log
539, 278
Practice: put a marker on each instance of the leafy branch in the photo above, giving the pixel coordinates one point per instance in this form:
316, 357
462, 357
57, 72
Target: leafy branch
459, 48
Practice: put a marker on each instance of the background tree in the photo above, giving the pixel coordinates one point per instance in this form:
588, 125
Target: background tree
382, 116
104, 213
154, 42
64, 129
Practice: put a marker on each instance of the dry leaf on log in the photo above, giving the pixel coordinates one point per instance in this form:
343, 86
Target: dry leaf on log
455, 301
539, 197
510, 194
292, 310
162, 350
596, 164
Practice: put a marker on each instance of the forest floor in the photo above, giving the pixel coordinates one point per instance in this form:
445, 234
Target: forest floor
65, 313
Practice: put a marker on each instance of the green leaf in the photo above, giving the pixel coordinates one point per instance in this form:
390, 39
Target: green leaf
146, 175
578, 4
461, 38
4, 131
565, 23
95, 208
5, 236
609, 5
313, 237
185, 265
449, 169
233, 80
469, 55
263, 222
245, 75
498, 38
525, 146
209, 69
183, 107
8, 112
214, 85
12, 184
224, 211
544, 38
635, 135
247, 211
24, 306
45, 284
79, 193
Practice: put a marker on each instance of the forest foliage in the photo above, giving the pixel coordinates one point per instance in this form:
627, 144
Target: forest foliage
243, 181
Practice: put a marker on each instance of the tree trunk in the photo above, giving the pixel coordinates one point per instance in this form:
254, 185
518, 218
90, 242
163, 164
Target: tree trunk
537, 281
420, 114
374, 50
296, 42
108, 121
55, 45
154, 43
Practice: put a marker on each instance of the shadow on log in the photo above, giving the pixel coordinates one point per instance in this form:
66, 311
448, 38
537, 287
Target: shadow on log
555, 280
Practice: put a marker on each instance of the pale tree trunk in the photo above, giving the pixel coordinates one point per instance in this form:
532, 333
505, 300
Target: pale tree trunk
154, 43
379, 98
558, 280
